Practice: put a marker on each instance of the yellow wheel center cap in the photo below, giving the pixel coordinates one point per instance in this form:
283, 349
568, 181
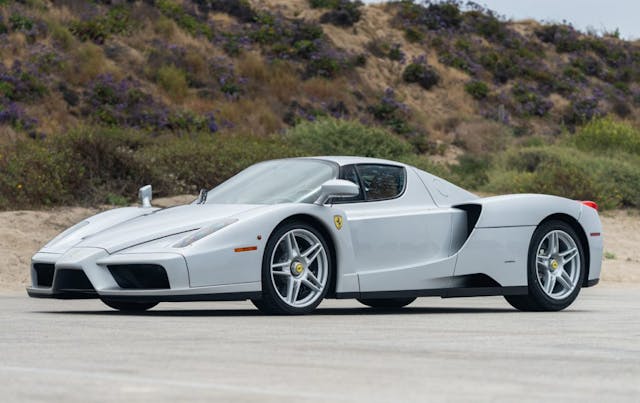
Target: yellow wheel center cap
554, 264
299, 268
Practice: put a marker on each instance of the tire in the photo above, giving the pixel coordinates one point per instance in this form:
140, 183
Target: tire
387, 303
555, 272
127, 306
292, 283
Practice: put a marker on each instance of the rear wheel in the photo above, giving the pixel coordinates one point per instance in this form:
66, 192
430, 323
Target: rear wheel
296, 270
126, 306
387, 303
556, 269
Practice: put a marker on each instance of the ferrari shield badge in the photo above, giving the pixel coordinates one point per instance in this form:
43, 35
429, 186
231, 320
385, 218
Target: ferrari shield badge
337, 220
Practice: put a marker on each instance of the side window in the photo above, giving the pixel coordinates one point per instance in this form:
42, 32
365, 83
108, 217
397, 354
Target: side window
381, 181
348, 173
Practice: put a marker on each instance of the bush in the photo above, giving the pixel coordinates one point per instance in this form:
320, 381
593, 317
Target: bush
344, 13
607, 134
92, 165
392, 113
530, 102
173, 80
418, 71
185, 20
477, 89
433, 15
470, 172
193, 162
20, 22
563, 171
343, 137
97, 29
582, 110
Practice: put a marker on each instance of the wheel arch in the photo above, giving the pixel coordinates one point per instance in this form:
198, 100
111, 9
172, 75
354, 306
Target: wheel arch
573, 223
326, 233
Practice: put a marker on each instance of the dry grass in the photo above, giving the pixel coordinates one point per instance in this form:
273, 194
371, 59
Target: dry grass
87, 62
481, 136
250, 116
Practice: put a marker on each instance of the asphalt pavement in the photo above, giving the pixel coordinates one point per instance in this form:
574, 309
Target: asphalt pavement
469, 349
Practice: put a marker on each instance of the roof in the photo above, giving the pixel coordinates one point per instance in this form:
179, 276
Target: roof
348, 160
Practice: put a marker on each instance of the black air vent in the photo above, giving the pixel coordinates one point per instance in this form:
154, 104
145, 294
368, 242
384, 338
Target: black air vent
44, 274
72, 280
140, 276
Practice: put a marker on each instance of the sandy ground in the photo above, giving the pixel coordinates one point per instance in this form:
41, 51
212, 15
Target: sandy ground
22, 233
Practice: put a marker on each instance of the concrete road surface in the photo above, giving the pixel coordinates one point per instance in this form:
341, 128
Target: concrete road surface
475, 349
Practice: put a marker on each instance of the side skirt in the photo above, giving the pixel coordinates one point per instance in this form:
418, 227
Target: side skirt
438, 292
231, 296
75, 294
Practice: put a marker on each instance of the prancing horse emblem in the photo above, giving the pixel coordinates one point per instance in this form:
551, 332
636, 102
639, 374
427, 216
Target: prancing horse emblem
337, 220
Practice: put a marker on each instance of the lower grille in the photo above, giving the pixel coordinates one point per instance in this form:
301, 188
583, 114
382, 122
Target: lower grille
44, 274
72, 279
140, 276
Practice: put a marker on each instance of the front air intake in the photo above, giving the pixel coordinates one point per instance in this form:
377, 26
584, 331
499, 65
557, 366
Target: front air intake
139, 276
44, 274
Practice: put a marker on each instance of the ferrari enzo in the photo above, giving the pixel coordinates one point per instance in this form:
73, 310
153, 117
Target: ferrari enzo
288, 233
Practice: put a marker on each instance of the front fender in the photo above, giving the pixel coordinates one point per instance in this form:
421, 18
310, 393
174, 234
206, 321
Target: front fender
214, 260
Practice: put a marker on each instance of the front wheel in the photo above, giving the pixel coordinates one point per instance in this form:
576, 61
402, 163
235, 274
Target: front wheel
387, 303
296, 270
556, 269
127, 306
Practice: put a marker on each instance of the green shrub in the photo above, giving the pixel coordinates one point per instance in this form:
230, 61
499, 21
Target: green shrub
33, 175
20, 22
607, 134
173, 80
413, 35
194, 162
343, 14
324, 3
97, 29
342, 137
611, 182
186, 21
470, 172
421, 73
477, 89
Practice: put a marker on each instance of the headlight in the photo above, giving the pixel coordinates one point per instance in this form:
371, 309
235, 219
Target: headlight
203, 232
67, 232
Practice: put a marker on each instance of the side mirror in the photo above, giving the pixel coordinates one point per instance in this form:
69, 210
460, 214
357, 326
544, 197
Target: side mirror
337, 188
202, 197
145, 195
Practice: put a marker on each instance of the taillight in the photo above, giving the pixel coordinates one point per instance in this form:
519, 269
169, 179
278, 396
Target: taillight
591, 204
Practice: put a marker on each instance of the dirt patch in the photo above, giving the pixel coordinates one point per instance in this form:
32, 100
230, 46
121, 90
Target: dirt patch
22, 233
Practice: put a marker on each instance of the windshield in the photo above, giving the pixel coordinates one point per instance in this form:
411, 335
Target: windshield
272, 182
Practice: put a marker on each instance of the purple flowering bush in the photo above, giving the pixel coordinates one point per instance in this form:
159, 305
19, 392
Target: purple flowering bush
123, 103
420, 72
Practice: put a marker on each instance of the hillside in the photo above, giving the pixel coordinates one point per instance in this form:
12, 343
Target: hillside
97, 98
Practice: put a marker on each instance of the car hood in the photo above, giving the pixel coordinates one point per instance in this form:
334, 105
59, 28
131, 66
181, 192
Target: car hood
160, 224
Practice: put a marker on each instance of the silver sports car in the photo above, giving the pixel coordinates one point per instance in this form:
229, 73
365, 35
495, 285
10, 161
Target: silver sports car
288, 233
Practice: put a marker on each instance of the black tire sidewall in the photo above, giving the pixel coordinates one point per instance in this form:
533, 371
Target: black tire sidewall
270, 301
129, 306
541, 299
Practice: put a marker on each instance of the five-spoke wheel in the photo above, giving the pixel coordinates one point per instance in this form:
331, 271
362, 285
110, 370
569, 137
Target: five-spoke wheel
558, 264
296, 270
555, 269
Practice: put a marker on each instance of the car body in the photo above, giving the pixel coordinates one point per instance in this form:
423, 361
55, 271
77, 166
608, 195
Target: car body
400, 233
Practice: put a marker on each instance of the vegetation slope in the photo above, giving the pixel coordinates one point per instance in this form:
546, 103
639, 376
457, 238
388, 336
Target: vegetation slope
97, 98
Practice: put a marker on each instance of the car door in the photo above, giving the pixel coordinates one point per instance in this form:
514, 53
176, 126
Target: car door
401, 238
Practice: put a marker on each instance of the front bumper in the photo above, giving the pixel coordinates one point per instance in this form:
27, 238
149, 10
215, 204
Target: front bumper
84, 273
